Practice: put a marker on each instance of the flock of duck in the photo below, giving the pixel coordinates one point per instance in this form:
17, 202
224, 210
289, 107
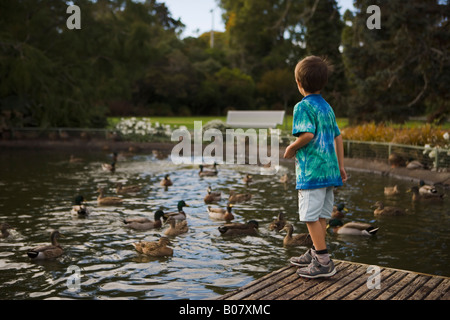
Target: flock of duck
178, 224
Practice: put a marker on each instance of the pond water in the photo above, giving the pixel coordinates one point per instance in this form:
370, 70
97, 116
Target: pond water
37, 189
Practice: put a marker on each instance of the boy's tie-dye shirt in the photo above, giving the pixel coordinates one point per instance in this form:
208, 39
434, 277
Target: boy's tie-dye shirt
316, 164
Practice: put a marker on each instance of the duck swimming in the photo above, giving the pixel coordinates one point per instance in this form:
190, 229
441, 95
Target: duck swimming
47, 252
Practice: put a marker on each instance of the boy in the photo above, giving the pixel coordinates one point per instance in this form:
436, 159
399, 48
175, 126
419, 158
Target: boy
319, 163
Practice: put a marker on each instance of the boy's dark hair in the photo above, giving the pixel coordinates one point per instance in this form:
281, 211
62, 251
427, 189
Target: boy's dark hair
312, 73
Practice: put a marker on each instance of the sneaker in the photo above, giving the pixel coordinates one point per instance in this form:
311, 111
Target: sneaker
302, 261
317, 270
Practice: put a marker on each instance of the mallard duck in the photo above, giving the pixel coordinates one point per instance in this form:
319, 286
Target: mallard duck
212, 196
284, 178
107, 201
279, 223
144, 223
74, 159
234, 229
351, 228
247, 179
414, 164
166, 182
220, 213
426, 188
176, 228
213, 166
109, 167
338, 211
79, 208
239, 197
180, 215
301, 239
390, 191
155, 249
121, 189
209, 173
417, 196
4, 227
387, 211
47, 252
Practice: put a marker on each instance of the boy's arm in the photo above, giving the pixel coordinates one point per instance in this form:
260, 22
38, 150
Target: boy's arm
300, 142
339, 145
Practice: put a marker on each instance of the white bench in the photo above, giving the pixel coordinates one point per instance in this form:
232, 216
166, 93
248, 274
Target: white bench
254, 119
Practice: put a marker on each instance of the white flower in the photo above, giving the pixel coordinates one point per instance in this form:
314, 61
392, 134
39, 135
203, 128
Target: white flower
432, 153
446, 136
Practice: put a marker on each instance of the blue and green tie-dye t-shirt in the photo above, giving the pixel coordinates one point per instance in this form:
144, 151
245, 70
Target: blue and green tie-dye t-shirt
316, 164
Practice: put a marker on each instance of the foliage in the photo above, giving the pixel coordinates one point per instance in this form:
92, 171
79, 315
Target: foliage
426, 134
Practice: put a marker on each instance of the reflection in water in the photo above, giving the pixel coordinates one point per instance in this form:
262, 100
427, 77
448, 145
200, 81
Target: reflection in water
37, 190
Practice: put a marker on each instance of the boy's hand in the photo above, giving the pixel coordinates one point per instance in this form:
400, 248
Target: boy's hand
289, 153
343, 174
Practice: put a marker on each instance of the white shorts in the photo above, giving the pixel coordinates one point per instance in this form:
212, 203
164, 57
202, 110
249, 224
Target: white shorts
315, 203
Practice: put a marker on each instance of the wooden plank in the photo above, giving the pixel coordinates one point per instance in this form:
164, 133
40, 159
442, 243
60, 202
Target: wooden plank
411, 288
267, 293
392, 290
358, 282
364, 289
386, 283
303, 284
260, 284
440, 292
342, 284
426, 289
322, 284
250, 284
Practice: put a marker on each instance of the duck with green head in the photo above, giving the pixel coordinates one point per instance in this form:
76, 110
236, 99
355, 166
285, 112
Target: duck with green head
180, 215
79, 208
336, 226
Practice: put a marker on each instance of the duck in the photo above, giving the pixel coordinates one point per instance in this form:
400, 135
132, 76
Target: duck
209, 173
351, 228
47, 252
247, 179
220, 213
301, 239
4, 227
155, 249
396, 160
212, 196
109, 167
234, 229
391, 191
338, 211
417, 196
144, 223
79, 208
121, 189
278, 224
213, 166
166, 182
239, 197
176, 228
414, 164
180, 215
284, 178
381, 210
426, 188
107, 201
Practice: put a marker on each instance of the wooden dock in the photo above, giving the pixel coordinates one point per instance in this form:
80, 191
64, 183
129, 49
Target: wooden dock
351, 282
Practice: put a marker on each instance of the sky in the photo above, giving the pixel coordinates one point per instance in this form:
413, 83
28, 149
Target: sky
198, 18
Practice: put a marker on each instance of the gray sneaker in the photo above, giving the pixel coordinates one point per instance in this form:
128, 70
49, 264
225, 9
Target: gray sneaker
302, 261
317, 270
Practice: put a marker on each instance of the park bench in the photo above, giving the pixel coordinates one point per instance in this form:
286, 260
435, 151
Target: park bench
254, 118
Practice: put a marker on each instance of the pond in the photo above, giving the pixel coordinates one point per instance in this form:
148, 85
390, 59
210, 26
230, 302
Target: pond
37, 189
